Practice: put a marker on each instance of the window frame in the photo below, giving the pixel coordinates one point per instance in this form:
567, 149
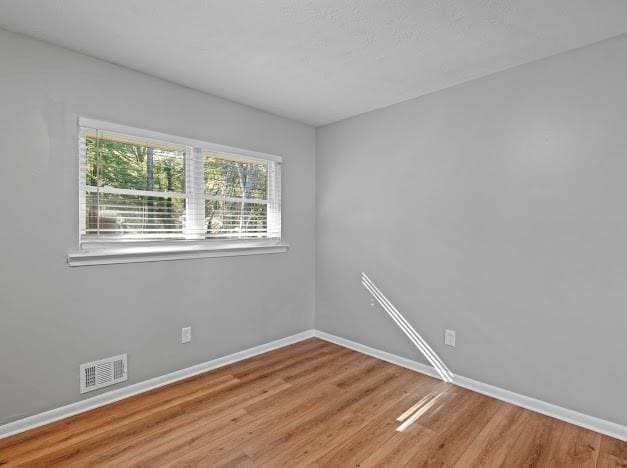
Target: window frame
193, 242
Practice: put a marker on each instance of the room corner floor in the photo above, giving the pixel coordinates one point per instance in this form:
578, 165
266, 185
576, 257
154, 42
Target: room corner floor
311, 404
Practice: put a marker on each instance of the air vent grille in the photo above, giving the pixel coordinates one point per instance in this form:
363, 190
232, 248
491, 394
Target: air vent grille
102, 373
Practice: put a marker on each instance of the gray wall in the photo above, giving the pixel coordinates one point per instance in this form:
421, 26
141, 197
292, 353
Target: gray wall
495, 208
53, 317
498, 209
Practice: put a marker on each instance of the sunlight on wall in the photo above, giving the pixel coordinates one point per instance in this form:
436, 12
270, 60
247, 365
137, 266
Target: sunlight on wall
443, 371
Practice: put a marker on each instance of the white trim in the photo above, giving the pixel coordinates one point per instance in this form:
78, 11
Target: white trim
194, 224
379, 354
72, 409
603, 426
589, 422
135, 132
135, 254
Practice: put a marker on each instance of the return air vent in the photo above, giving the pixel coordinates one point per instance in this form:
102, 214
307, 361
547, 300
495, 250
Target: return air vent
102, 373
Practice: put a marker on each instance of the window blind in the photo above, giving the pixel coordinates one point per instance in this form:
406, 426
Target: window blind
134, 188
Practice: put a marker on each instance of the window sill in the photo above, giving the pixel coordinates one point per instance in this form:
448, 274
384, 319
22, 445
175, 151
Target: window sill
134, 254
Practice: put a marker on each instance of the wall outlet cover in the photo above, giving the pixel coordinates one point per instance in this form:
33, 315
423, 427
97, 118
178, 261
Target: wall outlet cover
186, 334
449, 337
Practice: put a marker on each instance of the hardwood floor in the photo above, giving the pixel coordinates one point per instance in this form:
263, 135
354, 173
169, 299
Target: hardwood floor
311, 404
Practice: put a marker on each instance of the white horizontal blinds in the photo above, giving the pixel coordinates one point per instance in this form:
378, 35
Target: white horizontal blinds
194, 183
274, 199
236, 197
134, 189
82, 163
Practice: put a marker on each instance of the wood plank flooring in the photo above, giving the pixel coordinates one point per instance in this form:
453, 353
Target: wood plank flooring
311, 404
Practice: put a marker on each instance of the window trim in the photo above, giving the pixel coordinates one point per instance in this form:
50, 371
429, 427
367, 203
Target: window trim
108, 251
165, 138
160, 251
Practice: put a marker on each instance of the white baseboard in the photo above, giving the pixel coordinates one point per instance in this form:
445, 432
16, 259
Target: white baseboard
62, 412
609, 428
589, 422
377, 353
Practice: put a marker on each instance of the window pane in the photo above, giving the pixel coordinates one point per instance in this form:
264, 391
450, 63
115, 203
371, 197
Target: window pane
131, 215
139, 188
235, 220
236, 179
129, 164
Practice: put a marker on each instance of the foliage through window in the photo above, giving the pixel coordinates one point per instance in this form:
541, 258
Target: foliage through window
135, 188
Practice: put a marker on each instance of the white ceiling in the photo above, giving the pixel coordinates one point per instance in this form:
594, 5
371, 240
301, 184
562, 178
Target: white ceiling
317, 61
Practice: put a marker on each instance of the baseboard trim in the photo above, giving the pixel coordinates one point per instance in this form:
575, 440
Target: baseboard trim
72, 409
608, 428
583, 420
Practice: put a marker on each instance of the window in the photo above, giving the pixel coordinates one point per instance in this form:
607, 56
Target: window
146, 189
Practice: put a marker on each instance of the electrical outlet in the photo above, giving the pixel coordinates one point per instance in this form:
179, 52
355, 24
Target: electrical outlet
186, 334
449, 337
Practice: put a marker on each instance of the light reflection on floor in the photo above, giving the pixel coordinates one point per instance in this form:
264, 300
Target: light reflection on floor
419, 409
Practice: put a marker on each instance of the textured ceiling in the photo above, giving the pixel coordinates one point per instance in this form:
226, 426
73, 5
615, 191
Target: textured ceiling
317, 61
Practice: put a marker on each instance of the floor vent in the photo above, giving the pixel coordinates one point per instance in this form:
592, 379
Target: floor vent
102, 373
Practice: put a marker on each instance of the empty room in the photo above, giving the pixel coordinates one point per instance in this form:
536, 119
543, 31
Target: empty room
313, 233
